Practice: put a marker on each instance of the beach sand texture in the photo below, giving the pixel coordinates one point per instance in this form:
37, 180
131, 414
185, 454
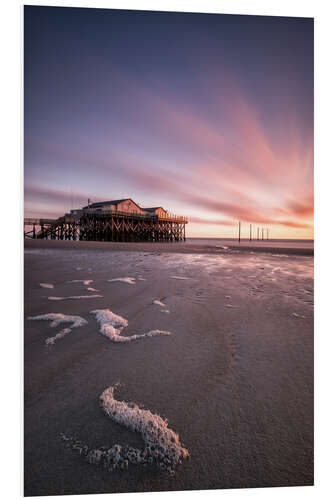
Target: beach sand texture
234, 378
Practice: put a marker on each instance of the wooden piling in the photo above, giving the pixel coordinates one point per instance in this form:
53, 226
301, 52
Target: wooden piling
110, 226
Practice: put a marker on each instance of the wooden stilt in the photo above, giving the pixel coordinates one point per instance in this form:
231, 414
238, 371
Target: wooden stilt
110, 226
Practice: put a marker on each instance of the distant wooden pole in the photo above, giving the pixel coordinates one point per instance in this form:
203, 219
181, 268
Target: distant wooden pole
258, 233
239, 232
250, 232
267, 233
262, 233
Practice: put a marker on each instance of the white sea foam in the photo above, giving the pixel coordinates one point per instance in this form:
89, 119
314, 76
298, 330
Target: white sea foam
166, 311
90, 289
158, 303
46, 285
85, 282
162, 446
153, 333
296, 315
228, 305
179, 278
112, 325
141, 279
57, 319
74, 297
130, 281
60, 335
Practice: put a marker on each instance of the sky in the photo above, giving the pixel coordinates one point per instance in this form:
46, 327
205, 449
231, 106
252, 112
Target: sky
209, 116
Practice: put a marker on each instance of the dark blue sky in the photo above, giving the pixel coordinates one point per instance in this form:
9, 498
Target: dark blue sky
208, 115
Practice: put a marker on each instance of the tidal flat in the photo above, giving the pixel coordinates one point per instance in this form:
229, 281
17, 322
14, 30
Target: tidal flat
229, 367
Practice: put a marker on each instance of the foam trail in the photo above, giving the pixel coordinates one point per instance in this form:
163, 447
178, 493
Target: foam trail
179, 278
162, 449
85, 282
56, 320
158, 303
90, 289
112, 325
130, 281
296, 315
46, 285
76, 297
60, 335
165, 311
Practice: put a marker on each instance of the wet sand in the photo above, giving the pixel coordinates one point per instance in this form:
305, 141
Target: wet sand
191, 246
234, 378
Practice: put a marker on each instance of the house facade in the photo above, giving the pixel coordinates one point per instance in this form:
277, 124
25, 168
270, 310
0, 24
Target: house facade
156, 211
122, 205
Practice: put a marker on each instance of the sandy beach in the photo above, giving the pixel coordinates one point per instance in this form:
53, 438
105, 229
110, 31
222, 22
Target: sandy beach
233, 376
191, 246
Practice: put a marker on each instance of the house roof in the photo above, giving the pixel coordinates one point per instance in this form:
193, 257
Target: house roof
98, 204
152, 209
110, 202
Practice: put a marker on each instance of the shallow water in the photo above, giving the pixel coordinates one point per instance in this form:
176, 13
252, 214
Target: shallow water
245, 241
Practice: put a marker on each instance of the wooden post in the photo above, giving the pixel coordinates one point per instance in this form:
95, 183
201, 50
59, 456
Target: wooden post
250, 232
262, 233
239, 232
258, 233
267, 233
112, 227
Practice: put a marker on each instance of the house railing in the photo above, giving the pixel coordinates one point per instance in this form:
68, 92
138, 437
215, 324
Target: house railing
92, 211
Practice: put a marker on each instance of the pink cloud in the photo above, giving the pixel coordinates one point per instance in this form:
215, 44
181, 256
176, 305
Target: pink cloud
300, 209
239, 171
288, 223
216, 222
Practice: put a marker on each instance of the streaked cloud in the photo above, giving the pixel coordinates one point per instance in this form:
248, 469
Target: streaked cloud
206, 140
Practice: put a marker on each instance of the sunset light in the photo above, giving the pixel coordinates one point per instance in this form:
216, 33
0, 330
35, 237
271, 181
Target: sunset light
168, 251
215, 123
